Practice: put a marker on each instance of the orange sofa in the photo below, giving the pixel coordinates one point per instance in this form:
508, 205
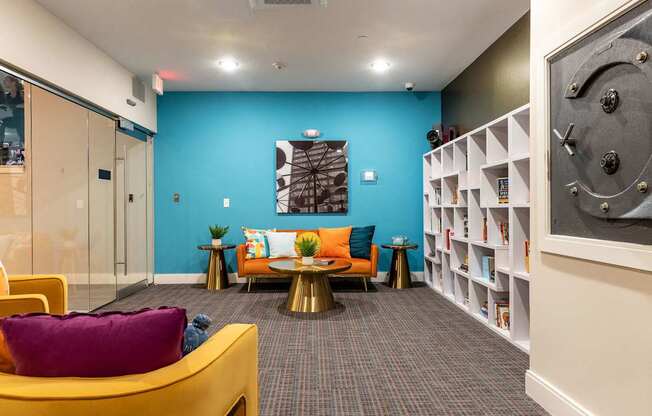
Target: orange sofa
258, 268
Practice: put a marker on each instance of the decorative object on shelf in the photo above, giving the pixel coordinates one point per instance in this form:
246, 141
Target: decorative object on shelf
465, 221
195, 333
502, 184
485, 231
311, 177
489, 268
527, 256
399, 270
502, 314
399, 240
368, 176
599, 87
465, 265
435, 136
455, 196
307, 246
484, 310
217, 232
216, 277
437, 196
448, 234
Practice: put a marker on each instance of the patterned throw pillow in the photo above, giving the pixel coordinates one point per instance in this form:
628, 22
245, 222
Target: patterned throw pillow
4, 280
256, 243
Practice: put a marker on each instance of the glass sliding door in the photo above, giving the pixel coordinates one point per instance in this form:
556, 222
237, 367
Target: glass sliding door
131, 214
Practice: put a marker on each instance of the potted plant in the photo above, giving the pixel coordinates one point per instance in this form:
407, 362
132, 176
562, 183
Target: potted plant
217, 232
307, 248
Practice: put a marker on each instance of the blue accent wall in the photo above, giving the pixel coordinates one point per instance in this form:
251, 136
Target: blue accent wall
215, 145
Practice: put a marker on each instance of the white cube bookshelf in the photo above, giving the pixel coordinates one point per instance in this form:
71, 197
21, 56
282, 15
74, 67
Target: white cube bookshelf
469, 168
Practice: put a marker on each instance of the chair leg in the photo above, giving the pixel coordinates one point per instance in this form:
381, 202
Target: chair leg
364, 280
249, 284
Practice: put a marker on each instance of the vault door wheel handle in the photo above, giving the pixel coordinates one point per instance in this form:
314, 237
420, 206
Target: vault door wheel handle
566, 141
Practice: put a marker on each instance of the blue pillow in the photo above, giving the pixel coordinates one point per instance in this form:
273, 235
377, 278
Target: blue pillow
360, 241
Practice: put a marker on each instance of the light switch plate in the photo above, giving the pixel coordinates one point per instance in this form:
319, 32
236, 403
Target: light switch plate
227, 202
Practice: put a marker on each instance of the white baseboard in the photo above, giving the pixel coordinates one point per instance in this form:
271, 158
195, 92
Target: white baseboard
200, 278
553, 400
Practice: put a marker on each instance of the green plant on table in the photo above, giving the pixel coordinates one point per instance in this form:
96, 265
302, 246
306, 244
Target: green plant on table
218, 231
308, 247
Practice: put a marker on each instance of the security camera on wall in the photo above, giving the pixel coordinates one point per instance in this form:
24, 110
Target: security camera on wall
409, 86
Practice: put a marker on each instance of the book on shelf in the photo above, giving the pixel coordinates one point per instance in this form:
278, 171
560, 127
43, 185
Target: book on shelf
526, 243
502, 314
466, 226
503, 190
504, 233
485, 235
484, 310
449, 233
455, 196
489, 268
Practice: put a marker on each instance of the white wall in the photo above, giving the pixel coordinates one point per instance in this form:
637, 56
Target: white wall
591, 323
38, 42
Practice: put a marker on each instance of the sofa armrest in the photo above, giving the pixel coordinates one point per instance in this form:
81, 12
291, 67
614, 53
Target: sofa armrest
18, 304
54, 287
241, 253
208, 381
374, 260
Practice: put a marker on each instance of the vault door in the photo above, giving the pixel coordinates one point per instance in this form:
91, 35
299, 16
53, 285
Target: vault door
601, 133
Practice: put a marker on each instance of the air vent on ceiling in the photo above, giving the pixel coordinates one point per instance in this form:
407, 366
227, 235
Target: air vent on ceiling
271, 4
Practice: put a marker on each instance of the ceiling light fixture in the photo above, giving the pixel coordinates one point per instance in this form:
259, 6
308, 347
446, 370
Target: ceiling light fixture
380, 65
228, 64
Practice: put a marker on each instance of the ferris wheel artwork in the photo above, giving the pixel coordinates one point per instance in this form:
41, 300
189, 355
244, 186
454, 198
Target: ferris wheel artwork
312, 176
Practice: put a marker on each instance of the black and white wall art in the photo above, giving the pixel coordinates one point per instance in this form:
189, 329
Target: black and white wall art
312, 176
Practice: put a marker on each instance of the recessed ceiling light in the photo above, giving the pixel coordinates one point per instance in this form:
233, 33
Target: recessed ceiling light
228, 64
380, 65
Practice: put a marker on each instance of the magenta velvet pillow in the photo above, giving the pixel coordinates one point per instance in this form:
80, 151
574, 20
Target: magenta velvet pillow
95, 345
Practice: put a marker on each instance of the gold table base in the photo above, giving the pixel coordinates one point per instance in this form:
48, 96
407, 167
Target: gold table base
399, 272
217, 278
310, 293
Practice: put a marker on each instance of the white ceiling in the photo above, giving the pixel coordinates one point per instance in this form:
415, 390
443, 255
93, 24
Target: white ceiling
427, 41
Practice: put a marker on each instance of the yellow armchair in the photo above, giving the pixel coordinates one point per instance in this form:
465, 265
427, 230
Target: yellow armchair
219, 378
35, 293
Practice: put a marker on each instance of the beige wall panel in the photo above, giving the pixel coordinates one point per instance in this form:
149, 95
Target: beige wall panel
101, 141
591, 337
16, 207
60, 191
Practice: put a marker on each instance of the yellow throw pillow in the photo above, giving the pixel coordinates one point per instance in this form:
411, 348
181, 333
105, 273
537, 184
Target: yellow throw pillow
4, 281
308, 235
335, 242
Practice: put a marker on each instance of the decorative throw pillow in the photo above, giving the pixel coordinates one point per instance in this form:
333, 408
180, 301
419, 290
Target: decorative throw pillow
308, 235
281, 244
360, 241
335, 242
6, 362
95, 345
4, 280
256, 243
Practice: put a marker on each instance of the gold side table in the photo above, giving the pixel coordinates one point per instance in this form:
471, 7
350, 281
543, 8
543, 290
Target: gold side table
399, 271
217, 277
310, 290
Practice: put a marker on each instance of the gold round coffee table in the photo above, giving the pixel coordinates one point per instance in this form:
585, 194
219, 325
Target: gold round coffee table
310, 290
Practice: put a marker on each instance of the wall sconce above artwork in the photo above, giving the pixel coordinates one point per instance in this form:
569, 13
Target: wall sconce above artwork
311, 133
368, 176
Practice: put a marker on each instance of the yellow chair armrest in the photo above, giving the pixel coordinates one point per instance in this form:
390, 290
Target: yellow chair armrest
208, 381
17, 304
54, 287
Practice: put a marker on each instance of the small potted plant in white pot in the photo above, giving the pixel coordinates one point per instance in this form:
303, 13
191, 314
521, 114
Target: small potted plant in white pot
217, 232
308, 248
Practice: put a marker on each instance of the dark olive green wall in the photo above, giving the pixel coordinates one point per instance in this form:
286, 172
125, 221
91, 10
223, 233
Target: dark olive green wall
495, 83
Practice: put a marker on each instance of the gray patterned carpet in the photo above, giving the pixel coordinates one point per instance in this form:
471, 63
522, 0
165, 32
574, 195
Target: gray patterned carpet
385, 352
